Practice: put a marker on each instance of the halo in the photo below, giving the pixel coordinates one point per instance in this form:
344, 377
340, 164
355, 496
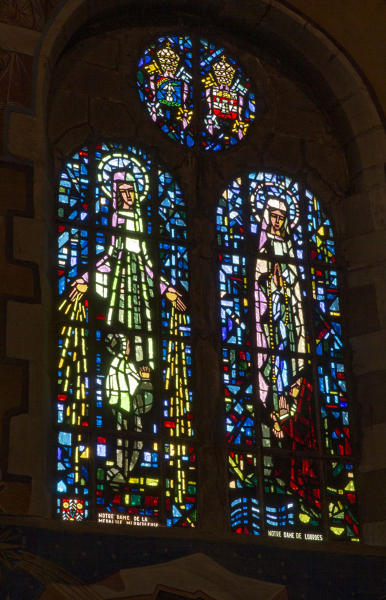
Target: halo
120, 161
267, 186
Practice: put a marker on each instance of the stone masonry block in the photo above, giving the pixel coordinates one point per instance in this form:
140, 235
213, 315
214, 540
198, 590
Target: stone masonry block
372, 497
373, 448
380, 287
102, 51
374, 534
13, 189
72, 139
366, 179
89, 79
364, 250
365, 275
325, 157
28, 237
18, 39
369, 352
21, 456
363, 116
71, 109
377, 197
11, 389
371, 394
371, 146
23, 137
111, 118
357, 215
24, 330
361, 311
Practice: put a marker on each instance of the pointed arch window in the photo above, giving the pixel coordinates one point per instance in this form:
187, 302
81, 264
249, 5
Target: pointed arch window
287, 420
124, 384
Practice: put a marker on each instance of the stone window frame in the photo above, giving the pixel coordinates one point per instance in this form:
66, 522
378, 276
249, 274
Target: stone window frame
357, 122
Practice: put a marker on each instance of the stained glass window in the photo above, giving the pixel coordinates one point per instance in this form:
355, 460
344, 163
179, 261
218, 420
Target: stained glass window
124, 385
196, 92
290, 463
165, 85
228, 103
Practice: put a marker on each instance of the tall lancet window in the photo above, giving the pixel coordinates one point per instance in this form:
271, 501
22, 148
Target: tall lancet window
124, 379
287, 417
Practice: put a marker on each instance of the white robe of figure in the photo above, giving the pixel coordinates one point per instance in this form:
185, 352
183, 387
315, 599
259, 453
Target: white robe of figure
277, 308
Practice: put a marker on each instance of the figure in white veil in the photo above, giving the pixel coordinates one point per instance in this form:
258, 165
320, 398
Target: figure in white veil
280, 326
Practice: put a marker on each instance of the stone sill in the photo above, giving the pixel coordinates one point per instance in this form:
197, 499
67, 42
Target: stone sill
132, 531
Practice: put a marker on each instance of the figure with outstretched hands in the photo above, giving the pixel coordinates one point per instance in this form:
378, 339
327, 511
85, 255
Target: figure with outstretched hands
124, 279
124, 275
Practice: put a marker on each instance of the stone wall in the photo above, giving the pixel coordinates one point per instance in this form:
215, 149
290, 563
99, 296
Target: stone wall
318, 122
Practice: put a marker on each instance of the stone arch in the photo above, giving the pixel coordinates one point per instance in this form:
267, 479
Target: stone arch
338, 87
345, 94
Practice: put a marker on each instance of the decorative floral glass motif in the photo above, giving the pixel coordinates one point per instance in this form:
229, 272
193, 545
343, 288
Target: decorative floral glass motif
124, 400
285, 395
219, 115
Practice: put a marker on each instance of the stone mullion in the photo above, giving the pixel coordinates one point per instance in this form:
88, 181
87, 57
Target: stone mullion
209, 439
